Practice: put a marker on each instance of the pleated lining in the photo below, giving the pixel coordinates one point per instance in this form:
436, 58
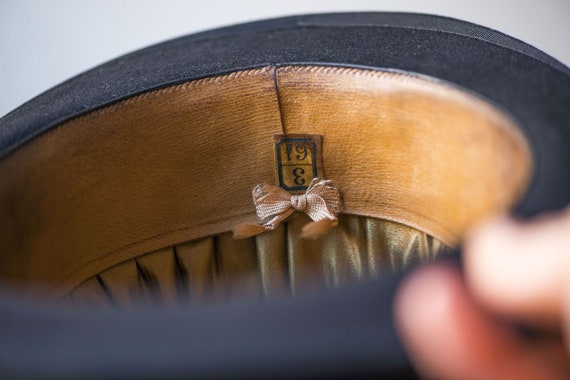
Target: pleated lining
274, 264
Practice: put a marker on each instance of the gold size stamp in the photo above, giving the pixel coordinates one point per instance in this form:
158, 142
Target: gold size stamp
298, 160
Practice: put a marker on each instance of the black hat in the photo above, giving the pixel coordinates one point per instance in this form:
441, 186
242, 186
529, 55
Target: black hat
81, 171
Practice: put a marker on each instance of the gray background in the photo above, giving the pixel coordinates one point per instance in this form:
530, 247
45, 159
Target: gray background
46, 42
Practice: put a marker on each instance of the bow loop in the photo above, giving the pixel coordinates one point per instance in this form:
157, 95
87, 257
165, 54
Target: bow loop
270, 200
321, 202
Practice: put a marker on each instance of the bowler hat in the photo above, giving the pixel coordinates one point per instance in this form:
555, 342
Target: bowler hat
388, 134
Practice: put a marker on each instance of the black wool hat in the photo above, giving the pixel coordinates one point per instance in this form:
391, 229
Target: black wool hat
346, 332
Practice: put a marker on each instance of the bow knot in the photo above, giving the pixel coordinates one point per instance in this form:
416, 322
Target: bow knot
299, 202
321, 202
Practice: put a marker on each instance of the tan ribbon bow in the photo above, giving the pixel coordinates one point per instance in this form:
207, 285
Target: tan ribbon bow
321, 202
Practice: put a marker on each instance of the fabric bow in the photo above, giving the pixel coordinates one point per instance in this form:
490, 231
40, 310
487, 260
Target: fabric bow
273, 204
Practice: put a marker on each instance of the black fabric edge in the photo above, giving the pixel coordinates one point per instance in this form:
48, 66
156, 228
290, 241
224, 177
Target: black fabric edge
336, 20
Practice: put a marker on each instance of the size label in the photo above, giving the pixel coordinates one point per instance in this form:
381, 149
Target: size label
298, 160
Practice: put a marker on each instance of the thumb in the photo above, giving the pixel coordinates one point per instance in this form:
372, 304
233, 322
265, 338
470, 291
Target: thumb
521, 271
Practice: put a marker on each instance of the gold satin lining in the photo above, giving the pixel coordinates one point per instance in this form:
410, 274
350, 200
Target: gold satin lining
271, 265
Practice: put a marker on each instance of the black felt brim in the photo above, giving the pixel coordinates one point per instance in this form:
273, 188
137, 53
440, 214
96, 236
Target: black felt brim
263, 340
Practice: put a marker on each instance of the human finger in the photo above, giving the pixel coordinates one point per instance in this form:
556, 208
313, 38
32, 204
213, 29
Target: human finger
521, 270
449, 337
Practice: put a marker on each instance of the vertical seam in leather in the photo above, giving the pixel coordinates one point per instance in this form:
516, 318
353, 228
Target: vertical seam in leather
279, 108
286, 244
